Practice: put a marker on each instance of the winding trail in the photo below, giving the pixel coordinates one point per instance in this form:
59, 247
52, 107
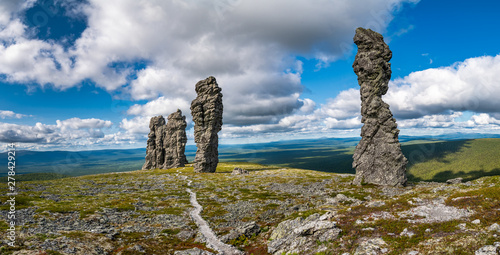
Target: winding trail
212, 240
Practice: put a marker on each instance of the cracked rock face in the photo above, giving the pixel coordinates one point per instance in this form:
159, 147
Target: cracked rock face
207, 116
377, 158
166, 143
300, 236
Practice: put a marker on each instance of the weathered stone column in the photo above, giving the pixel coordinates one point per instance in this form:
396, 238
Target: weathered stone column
207, 116
377, 158
166, 143
175, 141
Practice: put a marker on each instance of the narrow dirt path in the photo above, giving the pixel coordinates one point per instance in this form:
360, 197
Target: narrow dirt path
213, 242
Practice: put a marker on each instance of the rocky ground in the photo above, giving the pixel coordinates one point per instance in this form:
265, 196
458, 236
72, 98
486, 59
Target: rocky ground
267, 211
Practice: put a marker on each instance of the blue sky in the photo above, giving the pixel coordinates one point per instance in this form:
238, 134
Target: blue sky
89, 74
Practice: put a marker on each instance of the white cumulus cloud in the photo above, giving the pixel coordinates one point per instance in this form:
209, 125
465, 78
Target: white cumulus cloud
10, 114
250, 46
70, 132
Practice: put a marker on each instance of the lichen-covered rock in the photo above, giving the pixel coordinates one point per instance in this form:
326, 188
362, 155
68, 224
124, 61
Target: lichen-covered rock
207, 116
377, 158
301, 235
175, 140
434, 212
371, 246
489, 249
494, 227
248, 230
154, 149
166, 143
455, 181
239, 171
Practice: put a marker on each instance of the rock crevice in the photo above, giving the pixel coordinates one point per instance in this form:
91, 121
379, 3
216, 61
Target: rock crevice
377, 158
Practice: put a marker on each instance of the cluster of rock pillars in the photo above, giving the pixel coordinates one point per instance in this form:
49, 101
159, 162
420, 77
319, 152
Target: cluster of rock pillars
377, 158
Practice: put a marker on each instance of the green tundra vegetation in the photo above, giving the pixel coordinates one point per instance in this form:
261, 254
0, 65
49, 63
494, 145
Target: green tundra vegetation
268, 196
440, 161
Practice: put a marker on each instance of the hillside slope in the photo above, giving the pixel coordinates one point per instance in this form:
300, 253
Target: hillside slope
440, 161
427, 157
147, 212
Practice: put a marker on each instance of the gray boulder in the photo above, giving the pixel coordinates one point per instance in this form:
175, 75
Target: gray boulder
301, 235
455, 181
166, 143
207, 116
371, 246
377, 158
489, 249
249, 229
239, 171
494, 227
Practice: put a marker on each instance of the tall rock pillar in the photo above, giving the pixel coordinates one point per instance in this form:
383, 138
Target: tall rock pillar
207, 116
166, 143
175, 141
377, 158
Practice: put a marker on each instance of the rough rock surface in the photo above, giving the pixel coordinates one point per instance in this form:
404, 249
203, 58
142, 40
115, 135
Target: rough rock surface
239, 171
436, 211
207, 116
166, 143
455, 181
249, 229
301, 235
371, 246
377, 158
194, 251
489, 249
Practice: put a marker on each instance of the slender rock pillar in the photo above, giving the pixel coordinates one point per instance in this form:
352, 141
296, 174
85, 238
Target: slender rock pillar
207, 116
377, 158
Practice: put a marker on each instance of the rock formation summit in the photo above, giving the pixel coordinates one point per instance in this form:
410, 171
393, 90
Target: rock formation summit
166, 143
377, 158
207, 116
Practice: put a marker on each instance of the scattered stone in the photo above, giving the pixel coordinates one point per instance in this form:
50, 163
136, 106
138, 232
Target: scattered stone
166, 143
375, 204
413, 253
194, 251
377, 158
239, 171
435, 211
301, 235
250, 229
185, 235
462, 226
371, 246
476, 221
341, 198
207, 116
137, 248
489, 250
494, 227
455, 181
407, 233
